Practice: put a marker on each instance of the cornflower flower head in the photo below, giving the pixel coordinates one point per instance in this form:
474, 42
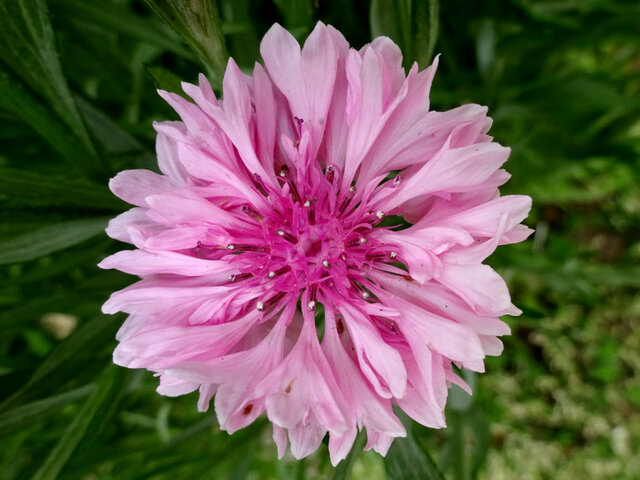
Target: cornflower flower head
313, 247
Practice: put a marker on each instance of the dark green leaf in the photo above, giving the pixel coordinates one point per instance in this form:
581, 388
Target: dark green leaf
30, 413
67, 359
30, 109
163, 79
392, 18
22, 187
344, 468
29, 50
108, 133
407, 461
108, 388
298, 15
426, 25
119, 19
49, 239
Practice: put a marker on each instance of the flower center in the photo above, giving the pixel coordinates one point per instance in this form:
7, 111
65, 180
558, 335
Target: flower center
314, 236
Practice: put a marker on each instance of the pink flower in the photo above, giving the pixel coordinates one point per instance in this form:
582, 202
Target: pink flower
271, 205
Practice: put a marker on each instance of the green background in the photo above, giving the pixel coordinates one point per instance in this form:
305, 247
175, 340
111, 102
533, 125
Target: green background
77, 100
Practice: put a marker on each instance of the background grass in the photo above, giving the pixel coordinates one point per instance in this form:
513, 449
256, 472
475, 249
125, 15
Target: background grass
77, 99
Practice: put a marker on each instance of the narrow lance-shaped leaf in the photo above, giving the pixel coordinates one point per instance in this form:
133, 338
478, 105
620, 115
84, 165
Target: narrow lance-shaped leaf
108, 388
117, 18
65, 360
29, 50
49, 239
298, 15
344, 468
43, 120
28, 188
30, 413
392, 18
406, 460
426, 25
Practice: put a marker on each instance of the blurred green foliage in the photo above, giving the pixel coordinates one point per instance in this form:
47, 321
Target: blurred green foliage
77, 99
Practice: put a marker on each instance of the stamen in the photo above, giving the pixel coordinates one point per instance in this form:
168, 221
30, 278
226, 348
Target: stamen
325, 264
339, 326
252, 213
260, 306
284, 269
365, 295
307, 204
287, 236
249, 248
271, 274
347, 199
396, 181
388, 325
380, 214
203, 251
259, 184
330, 173
393, 254
311, 305
269, 304
294, 191
242, 276
231, 246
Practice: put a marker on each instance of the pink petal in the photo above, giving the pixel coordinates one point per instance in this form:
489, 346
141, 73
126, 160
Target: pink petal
481, 287
139, 262
380, 363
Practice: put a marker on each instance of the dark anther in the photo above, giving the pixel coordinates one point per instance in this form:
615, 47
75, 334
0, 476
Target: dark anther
257, 216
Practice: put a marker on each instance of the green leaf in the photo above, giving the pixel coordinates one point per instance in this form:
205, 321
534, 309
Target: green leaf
163, 79
426, 26
118, 19
344, 468
198, 23
29, 50
108, 388
298, 15
49, 239
22, 187
30, 413
392, 18
407, 461
67, 359
412, 24
45, 121
108, 133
